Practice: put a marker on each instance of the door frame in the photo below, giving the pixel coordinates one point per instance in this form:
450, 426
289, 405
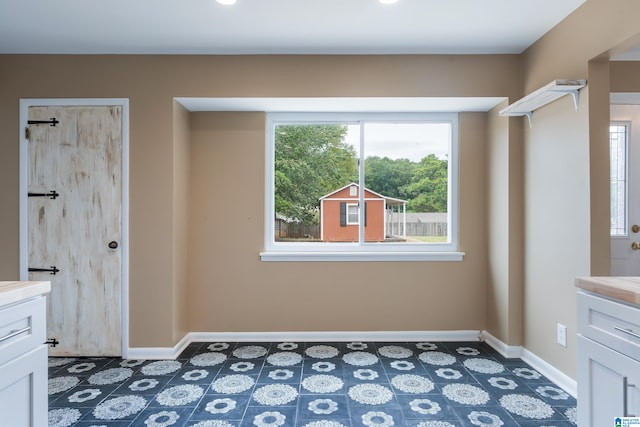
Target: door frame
23, 186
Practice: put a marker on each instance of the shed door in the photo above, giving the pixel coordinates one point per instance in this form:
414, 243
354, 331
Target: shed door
74, 224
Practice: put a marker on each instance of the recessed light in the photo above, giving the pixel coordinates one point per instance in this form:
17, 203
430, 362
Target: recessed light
227, 2
388, 1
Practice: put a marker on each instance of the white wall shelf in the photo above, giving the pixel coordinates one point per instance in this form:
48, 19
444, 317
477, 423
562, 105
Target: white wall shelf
543, 96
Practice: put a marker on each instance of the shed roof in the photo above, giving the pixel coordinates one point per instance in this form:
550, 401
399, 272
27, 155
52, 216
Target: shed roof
388, 199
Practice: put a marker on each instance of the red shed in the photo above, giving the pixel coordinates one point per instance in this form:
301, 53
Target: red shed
384, 217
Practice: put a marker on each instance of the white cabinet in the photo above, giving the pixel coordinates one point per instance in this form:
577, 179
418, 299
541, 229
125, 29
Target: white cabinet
608, 350
23, 363
23, 390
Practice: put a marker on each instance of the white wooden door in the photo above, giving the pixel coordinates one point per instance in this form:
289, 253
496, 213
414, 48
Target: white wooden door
625, 260
76, 226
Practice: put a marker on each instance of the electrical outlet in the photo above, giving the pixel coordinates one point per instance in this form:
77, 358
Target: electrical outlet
561, 335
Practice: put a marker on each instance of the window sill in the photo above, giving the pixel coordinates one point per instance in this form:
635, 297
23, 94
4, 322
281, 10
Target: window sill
360, 256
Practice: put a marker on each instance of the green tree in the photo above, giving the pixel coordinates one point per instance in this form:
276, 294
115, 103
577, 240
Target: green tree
386, 176
429, 187
310, 161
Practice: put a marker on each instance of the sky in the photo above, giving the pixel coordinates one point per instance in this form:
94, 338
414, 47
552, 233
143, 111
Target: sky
412, 141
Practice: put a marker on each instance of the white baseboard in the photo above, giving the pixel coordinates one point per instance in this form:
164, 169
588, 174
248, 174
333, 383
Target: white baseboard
158, 353
556, 376
508, 351
335, 336
565, 382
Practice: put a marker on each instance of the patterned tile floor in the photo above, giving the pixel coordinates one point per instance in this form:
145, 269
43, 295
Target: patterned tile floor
415, 384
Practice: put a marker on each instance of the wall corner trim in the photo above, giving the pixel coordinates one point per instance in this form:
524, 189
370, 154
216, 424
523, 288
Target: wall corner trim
157, 353
508, 351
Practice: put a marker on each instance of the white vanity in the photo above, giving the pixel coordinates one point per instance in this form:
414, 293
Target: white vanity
23, 354
608, 349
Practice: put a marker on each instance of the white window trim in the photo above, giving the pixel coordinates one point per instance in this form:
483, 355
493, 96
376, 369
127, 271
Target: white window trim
357, 221
627, 126
309, 251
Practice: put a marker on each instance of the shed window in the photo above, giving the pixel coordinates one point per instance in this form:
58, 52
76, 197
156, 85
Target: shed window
401, 167
353, 214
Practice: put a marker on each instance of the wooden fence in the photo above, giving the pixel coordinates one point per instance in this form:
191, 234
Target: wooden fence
426, 229
284, 230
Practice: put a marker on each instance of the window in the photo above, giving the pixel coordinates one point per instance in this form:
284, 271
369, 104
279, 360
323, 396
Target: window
618, 136
352, 214
361, 187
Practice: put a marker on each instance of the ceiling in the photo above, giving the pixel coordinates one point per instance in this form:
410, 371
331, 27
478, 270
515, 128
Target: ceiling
286, 27
276, 26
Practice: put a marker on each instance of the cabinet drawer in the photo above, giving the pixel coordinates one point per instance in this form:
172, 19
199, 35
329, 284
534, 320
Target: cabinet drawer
610, 323
22, 328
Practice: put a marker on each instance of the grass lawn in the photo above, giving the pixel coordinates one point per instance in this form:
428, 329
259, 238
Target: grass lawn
428, 239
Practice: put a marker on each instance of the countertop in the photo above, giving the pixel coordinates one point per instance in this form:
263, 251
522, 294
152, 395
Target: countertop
625, 289
11, 292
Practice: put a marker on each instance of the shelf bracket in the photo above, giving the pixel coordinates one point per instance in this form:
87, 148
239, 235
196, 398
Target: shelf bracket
576, 97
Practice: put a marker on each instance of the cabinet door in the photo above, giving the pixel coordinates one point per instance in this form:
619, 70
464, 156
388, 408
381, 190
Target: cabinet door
23, 390
608, 384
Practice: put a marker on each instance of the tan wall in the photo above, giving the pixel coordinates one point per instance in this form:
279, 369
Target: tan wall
231, 293
504, 225
624, 76
234, 291
565, 197
599, 174
596, 27
566, 172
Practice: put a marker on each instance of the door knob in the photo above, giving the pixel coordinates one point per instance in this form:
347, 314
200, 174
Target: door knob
635, 228
113, 245
635, 246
